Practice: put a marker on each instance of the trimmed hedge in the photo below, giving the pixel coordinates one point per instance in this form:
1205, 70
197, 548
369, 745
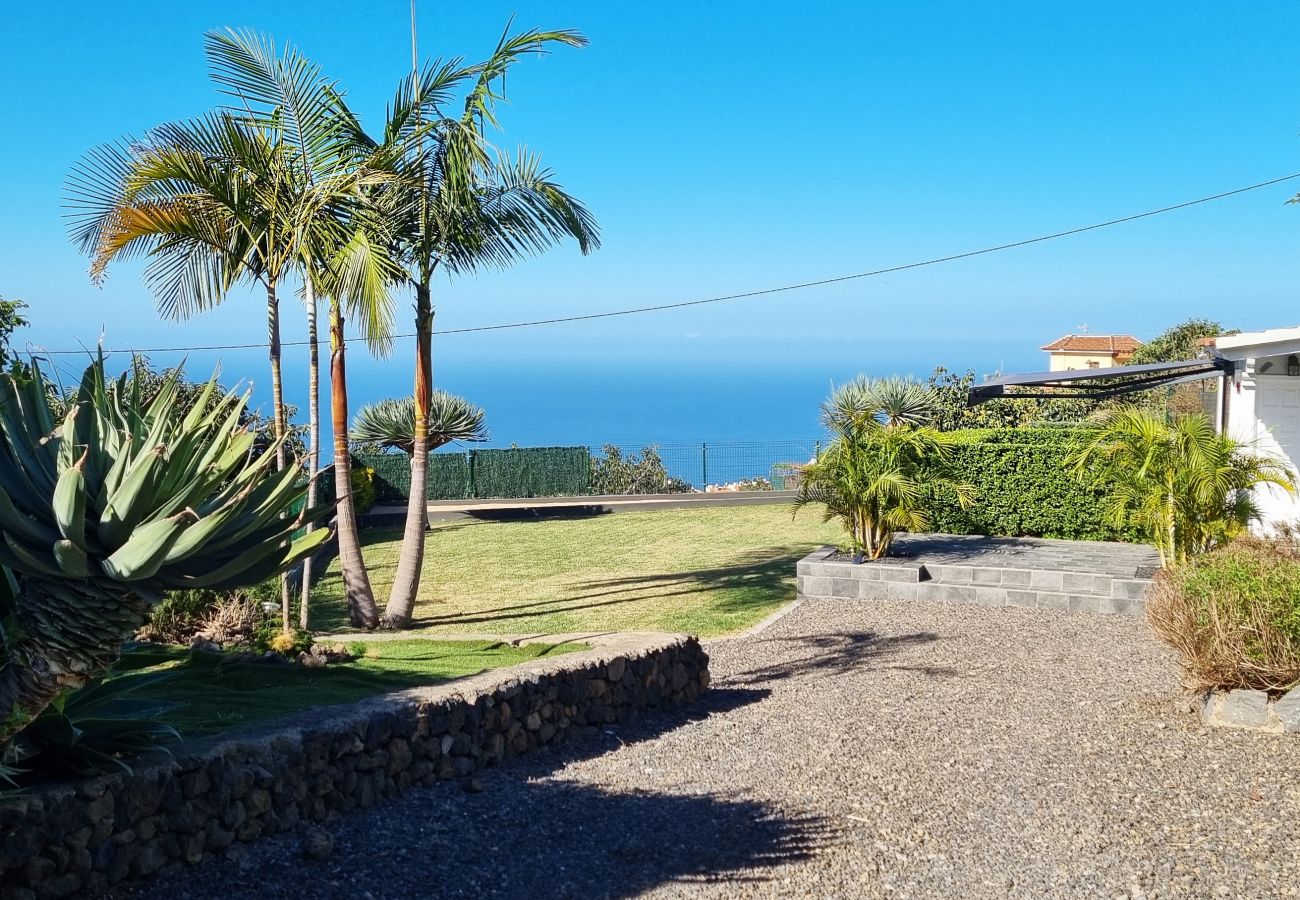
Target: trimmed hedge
1023, 488
515, 472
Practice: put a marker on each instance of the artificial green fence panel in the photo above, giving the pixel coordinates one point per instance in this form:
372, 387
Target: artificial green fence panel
448, 477
516, 472
530, 472
392, 475
1023, 487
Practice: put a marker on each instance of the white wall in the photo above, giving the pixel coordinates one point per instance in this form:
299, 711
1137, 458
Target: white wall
1264, 411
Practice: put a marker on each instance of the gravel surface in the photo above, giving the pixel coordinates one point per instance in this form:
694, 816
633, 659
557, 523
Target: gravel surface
853, 750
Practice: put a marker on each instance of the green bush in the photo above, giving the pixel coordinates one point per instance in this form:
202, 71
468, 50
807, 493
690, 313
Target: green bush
1023, 487
364, 489
1233, 615
179, 616
614, 473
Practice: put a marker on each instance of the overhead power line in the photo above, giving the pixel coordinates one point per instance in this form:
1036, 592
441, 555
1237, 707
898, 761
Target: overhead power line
745, 295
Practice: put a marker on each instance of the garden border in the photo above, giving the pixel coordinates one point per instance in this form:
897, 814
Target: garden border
214, 795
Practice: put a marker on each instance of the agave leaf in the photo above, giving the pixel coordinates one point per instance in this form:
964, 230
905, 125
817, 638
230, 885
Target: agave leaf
131, 502
242, 572
142, 555
70, 504
71, 559
25, 560
14, 521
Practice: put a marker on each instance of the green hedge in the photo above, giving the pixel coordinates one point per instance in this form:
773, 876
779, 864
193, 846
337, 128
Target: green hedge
1023, 488
516, 472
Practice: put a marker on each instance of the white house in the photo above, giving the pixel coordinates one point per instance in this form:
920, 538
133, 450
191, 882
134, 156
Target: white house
1264, 404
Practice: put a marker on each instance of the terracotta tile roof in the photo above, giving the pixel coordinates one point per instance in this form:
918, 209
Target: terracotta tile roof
1206, 341
1095, 343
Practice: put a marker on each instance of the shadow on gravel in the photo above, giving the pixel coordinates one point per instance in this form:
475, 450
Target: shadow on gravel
839, 653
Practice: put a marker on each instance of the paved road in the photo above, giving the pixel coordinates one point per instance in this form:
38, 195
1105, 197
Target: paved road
855, 750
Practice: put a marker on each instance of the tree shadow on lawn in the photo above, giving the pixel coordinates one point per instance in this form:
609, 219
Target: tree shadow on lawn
525, 833
839, 653
763, 579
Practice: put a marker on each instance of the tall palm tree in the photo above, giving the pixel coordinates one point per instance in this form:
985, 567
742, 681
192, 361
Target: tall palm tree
1189, 488
204, 201
230, 197
341, 247
459, 206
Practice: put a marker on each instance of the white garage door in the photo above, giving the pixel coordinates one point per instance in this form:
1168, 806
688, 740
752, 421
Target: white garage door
1277, 407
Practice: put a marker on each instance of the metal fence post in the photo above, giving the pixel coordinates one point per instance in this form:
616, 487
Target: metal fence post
817, 450
472, 493
704, 466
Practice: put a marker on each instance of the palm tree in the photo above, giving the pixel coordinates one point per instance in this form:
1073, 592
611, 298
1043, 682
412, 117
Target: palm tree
458, 206
1187, 487
260, 192
390, 425
342, 247
882, 467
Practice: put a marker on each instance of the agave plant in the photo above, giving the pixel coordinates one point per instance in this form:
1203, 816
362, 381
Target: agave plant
129, 496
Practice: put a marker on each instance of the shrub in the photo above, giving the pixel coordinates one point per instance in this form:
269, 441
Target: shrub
1233, 615
1024, 488
364, 490
614, 473
178, 617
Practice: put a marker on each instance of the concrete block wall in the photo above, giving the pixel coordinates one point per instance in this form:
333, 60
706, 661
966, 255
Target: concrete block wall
822, 576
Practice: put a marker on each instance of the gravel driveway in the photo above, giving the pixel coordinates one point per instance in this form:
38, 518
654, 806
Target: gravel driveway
854, 750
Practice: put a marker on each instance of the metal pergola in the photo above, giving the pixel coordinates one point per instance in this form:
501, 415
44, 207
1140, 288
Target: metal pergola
1098, 384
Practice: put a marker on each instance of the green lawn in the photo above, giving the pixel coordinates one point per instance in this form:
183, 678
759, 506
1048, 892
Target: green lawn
215, 692
706, 571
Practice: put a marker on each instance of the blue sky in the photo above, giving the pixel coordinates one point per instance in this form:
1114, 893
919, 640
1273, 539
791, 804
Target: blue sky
733, 146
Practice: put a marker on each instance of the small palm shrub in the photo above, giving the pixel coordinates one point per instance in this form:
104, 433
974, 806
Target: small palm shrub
1188, 488
882, 468
1233, 615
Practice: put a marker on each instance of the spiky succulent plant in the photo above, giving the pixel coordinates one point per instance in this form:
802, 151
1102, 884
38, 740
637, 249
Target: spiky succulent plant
390, 424
127, 497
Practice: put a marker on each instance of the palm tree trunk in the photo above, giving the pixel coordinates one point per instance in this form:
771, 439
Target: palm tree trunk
278, 414
406, 582
356, 583
39, 666
313, 429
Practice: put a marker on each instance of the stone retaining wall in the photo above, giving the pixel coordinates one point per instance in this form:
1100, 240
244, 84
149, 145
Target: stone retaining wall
213, 796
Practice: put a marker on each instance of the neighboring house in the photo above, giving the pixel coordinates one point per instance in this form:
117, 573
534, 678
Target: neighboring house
1090, 351
1264, 405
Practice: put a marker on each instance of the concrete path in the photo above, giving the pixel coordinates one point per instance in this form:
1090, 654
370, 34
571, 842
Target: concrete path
854, 750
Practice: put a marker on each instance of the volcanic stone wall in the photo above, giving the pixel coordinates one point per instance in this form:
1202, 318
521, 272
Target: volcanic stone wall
212, 797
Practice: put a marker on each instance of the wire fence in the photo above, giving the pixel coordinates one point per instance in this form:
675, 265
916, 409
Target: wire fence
754, 465
520, 472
